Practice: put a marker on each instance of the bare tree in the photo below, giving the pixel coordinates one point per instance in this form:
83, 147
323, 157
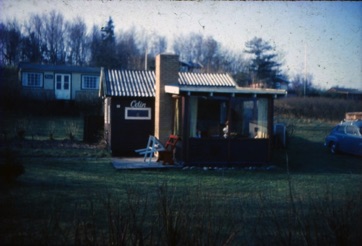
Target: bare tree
211, 58
158, 45
10, 43
199, 49
128, 53
184, 47
78, 42
149, 45
302, 85
34, 47
55, 29
2, 43
95, 42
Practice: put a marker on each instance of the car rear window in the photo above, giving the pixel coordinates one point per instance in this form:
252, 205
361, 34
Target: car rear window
353, 130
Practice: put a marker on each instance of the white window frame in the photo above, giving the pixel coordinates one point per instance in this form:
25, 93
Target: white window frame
85, 83
29, 76
128, 117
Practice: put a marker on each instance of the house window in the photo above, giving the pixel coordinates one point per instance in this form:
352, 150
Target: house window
90, 82
137, 113
33, 79
66, 82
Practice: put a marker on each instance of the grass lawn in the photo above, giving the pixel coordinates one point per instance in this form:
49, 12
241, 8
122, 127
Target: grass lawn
71, 194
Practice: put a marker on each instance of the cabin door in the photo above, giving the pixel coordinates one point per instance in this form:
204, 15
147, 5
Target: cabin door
62, 86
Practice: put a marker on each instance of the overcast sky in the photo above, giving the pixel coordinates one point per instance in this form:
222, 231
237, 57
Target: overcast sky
328, 34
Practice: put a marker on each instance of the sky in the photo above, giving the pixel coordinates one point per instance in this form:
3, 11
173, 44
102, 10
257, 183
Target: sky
323, 39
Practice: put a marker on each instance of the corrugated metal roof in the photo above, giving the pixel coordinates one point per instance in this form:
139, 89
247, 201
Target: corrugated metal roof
127, 83
205, 79
57, 68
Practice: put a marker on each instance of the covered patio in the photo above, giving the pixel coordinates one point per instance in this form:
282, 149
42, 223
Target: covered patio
223, 125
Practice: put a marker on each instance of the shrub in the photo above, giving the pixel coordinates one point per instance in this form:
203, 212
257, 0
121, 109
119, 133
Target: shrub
71, 129
20, 129
315, 108
51, 130
10, 166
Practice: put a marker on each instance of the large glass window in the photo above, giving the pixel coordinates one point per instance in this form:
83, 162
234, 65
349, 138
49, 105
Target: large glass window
249, 118
229, 117
208, 116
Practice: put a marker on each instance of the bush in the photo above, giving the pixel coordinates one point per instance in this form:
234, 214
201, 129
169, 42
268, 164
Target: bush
10, 166
319, 108
71, 129
9, 88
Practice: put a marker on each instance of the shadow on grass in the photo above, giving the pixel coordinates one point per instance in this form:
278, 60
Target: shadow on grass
309, 156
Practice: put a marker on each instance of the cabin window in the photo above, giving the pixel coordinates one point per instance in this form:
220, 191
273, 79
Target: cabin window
90, 82
32, 79
137, 113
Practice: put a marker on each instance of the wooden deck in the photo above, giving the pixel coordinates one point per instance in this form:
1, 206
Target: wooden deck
128, 163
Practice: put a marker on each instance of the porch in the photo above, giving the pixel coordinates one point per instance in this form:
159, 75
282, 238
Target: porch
138, 163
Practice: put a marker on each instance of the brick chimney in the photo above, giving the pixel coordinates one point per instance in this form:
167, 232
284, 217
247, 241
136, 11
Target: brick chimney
167, 68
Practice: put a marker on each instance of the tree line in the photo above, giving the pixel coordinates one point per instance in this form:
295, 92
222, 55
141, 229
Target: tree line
51, 39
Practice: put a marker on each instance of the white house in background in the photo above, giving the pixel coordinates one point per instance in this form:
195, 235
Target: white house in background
58, 82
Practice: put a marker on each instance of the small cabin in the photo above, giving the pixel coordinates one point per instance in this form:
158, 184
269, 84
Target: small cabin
218, 122
58, 82
345, 93
129, 109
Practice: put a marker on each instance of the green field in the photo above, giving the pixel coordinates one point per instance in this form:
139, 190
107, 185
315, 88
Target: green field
71, 194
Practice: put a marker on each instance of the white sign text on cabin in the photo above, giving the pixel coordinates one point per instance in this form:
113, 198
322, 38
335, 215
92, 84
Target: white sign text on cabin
137, 104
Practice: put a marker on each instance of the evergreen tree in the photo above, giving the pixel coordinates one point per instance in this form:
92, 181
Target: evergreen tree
107, 50
263, 67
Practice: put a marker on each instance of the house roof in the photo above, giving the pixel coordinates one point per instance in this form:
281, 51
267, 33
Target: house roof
340, 90
128, 83
173, 89
23, 66
205, 79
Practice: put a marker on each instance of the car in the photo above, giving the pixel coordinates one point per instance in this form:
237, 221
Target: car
346, 137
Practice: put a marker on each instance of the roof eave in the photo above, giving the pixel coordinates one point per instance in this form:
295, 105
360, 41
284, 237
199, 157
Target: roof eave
173, 89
